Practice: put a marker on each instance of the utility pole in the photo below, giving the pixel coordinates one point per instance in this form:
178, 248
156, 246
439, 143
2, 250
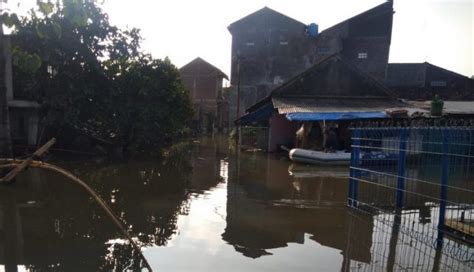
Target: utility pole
5, 137
237, 137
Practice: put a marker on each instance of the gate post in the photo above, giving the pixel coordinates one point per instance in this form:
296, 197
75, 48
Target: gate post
444, 189
401, 166
355, 162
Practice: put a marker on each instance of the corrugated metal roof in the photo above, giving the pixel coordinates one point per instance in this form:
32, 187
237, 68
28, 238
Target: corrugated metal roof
450, 107
291, 105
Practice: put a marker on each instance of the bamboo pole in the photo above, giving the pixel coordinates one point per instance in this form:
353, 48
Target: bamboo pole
8, 163
25, 163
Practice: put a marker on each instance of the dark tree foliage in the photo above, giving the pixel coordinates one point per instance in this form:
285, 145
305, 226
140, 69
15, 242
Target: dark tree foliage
151, 105
92, 77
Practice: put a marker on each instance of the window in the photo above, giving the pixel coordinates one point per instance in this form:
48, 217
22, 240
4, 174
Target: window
362, 55
283, 43
250, 43
323, 50
438, 83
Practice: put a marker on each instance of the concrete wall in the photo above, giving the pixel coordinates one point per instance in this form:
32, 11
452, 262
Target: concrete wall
204, 83
448, 84
272, 48
422, 81
282, 132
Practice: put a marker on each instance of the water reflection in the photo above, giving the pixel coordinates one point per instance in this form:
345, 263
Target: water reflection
267, 208
207, 208
47, 222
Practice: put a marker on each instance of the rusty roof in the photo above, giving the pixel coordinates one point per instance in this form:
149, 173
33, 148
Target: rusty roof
286, 105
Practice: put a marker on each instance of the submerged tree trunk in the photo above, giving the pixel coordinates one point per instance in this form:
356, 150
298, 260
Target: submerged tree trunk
5, 137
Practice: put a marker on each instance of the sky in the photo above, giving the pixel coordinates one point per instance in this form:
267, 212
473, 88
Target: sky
436, 31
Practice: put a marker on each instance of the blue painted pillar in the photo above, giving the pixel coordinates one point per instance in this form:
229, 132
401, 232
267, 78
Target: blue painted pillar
402, 157
355, 162
444, 189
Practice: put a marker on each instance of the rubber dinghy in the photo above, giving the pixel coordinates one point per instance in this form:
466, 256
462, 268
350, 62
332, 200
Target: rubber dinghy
320, 157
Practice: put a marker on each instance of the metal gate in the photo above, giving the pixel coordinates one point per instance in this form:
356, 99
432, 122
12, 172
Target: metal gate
418, 183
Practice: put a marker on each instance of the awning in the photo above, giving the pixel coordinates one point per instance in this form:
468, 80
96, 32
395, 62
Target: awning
261, 113
334, 116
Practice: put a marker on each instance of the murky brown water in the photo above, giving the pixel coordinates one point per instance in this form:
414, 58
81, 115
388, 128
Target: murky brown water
204, 208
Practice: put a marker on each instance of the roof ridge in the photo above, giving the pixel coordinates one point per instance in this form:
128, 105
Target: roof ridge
265, 8
388, 3
195, 60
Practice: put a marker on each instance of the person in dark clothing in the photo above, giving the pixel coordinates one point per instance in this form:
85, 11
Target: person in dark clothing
330, 140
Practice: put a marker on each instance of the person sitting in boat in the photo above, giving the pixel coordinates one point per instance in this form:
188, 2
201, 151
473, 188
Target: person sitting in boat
329, 139
302, 135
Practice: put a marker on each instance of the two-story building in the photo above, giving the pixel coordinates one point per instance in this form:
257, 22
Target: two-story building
204, 83
269, 48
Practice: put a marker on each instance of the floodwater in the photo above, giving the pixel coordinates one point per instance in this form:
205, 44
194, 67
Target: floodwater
203, 208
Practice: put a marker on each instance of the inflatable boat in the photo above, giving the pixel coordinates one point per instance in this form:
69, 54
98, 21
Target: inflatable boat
339, 157
320, 157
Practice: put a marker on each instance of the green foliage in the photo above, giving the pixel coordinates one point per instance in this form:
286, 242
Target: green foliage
45, 7
10, 20
152, 105
29, 63
92, 76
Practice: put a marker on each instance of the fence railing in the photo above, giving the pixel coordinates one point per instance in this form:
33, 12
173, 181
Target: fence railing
254, 137
421, 178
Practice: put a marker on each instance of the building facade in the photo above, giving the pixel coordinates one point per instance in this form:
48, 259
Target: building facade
334, 91
204, 83
269, 48
422, 81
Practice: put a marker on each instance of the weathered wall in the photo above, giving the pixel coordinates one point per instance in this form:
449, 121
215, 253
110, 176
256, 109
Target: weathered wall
272, 48
422, 81
267, 49
204, 83
282, 132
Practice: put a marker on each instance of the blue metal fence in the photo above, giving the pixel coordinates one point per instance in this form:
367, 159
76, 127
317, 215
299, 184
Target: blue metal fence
419, 179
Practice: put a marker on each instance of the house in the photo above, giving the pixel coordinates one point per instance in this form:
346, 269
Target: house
422, 81
269, 48
204, 83
24, 114
333, 90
